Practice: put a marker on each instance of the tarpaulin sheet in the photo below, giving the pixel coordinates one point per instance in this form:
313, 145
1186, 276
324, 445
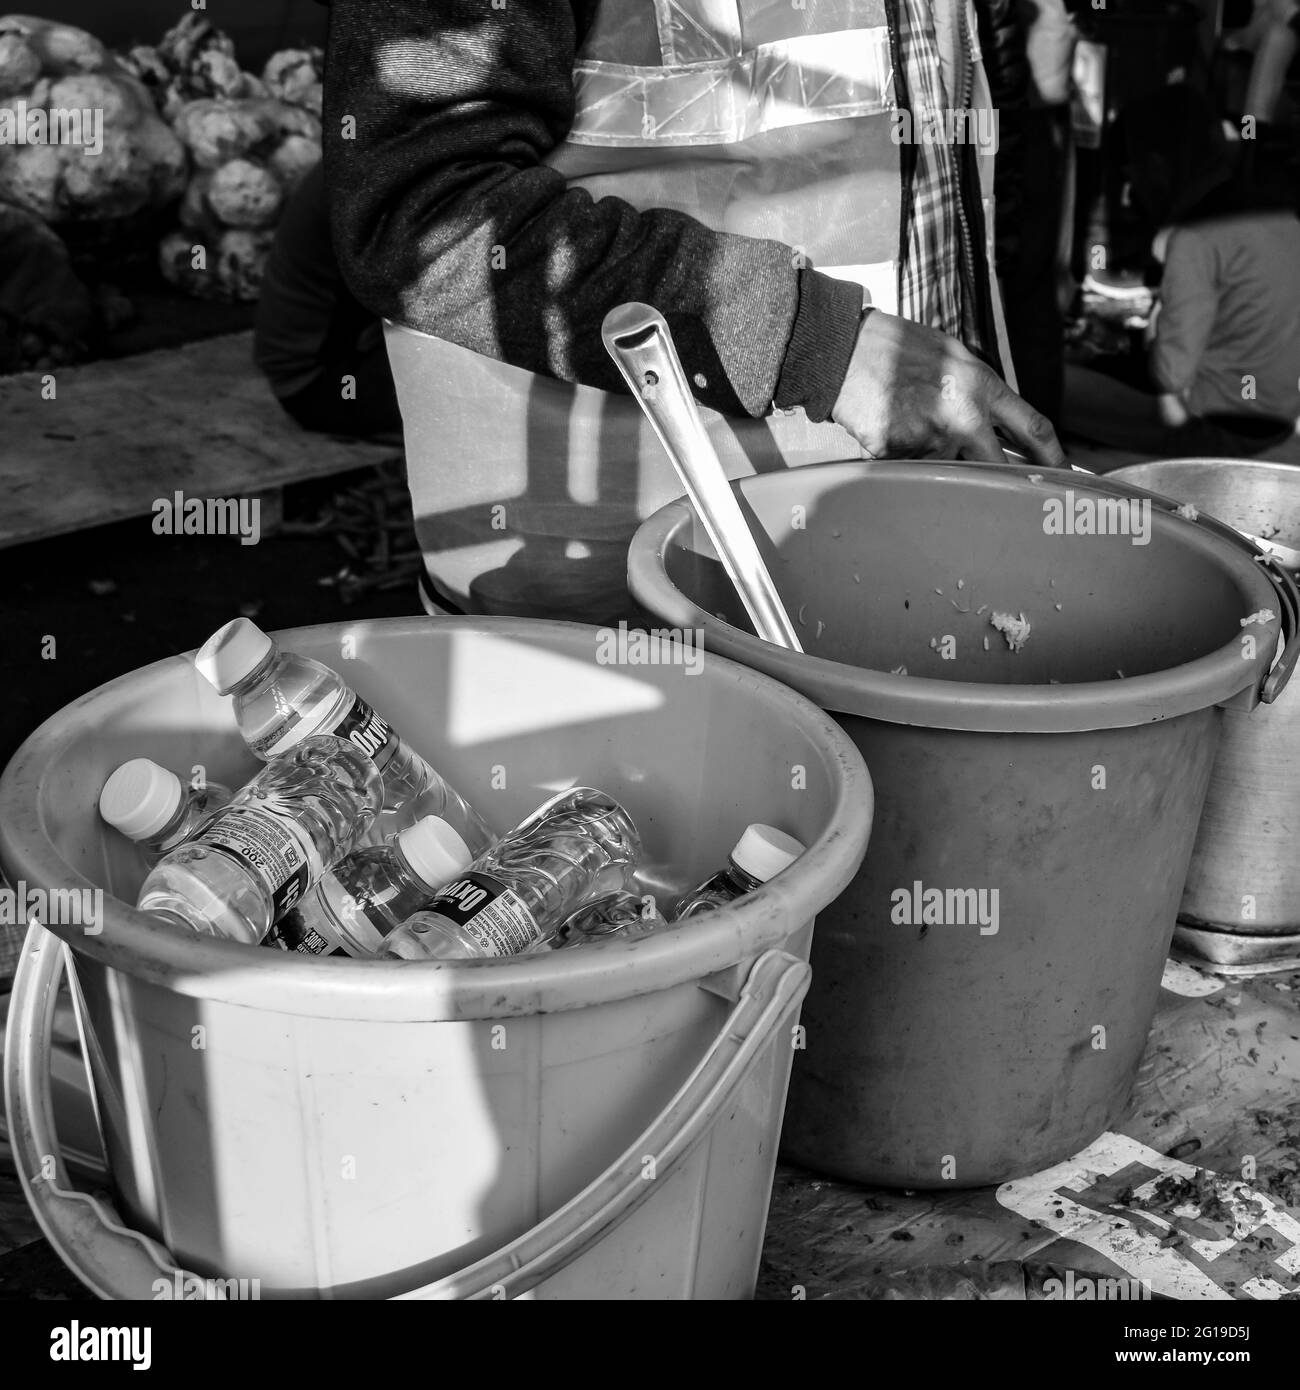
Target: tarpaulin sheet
1193, 1194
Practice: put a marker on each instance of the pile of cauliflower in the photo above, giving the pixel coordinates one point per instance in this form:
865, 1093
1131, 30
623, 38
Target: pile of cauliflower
45, 66
250, 141
183, 125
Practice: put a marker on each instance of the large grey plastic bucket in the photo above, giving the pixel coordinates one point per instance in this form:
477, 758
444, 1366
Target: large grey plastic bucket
598, 1123
959, 1051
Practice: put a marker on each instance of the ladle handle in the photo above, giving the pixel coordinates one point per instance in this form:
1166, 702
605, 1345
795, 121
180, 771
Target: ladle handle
636, 336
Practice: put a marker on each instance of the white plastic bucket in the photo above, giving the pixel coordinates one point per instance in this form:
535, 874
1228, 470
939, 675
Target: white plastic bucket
598, 1124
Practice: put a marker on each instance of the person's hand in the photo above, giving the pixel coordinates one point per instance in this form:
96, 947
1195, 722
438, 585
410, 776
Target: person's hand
913, 391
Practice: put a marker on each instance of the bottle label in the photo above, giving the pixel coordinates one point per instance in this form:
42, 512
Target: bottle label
488, 911
367, 731
293, 934
275, 850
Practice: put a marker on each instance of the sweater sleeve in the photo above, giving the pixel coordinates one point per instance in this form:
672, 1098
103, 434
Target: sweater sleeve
438, 119
1189, 303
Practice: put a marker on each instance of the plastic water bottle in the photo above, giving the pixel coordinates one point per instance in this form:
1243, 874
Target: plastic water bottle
254, 859
355, 906
579, 845
281, 698
626, 915
760, 854
152, 806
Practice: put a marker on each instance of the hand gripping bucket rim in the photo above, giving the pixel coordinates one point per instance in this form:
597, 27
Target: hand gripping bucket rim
732, 960
1220, 677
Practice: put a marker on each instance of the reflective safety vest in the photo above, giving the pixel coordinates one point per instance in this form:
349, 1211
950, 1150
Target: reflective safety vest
780, 119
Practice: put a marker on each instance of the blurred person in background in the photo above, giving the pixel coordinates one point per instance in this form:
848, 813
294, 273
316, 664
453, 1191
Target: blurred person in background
1224, 341
321, 352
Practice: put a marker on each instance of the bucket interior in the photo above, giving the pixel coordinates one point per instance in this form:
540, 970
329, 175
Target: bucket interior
507, 719
882, 568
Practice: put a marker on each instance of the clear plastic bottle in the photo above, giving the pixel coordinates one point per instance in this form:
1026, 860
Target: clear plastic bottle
578, 845
626, 915
355, 906
281, 698
760, 854
254, 859
152, 806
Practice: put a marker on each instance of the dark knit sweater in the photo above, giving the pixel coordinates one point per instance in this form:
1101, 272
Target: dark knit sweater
438, 115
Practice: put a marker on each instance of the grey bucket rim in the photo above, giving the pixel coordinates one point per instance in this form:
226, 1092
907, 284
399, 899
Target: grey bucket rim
1220, 678
437, 991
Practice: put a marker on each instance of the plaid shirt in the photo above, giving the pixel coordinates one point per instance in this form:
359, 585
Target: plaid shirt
932, 278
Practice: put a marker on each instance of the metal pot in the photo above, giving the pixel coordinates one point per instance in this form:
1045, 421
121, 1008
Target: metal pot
1241, 903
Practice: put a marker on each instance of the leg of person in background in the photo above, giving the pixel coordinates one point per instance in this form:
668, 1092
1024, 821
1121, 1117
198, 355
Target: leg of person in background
353, 395
1273, 56
1111, 413
1271, 36
1105, 411
1034, 321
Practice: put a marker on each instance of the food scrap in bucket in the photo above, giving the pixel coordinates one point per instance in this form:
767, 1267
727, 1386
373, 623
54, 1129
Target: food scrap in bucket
1015, 629
1265, 615
1188, 510
899, 671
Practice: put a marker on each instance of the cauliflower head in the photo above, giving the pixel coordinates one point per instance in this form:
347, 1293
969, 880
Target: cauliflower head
243, 194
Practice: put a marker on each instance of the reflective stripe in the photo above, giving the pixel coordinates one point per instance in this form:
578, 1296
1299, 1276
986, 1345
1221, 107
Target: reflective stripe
798, 81
703, 31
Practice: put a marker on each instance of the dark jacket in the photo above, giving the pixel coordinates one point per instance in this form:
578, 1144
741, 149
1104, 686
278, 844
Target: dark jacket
438, 117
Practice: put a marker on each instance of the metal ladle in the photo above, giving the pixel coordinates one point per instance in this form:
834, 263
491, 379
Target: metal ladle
637, 338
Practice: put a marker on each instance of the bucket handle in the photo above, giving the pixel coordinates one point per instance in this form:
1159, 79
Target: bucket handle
119, 1263
1288, 597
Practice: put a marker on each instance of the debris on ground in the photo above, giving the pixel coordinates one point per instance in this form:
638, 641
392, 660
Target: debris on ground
374, 527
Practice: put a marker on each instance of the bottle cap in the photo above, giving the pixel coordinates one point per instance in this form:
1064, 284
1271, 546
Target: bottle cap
762, 852
435, 850
140, 798
231, 654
